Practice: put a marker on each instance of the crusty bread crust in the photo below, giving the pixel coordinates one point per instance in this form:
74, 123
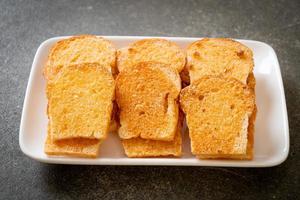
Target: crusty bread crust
80, 49
147, 97
219, 56
80, 102
251, 82
156, 50
216, 109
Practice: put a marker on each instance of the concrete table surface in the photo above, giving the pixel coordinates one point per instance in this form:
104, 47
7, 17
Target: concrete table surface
25, 24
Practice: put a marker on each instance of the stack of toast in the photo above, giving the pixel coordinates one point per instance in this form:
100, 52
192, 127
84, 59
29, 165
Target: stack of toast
147, 91
219, 103
80, 90
93, 89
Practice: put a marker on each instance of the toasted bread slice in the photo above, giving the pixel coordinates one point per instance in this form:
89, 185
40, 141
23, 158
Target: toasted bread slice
219, 56
138, 147
156, 50
79, 147
78, 50
250, 144
217, 112
147, 98
80, 102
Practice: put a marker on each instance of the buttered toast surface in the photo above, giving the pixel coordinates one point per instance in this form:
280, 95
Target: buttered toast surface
78, 50
217, 112
219, 56
80, 102
146, 95
151, 50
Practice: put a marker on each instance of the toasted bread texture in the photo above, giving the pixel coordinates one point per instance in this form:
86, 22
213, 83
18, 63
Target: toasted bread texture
217, 113
250, 144
147, 98
251, 129
251, 82
138, 147
78, 50
156, 50
78, 147
219, 56
80, 102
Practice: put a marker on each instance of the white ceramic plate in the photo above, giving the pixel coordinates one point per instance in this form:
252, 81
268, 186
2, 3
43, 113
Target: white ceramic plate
271, 133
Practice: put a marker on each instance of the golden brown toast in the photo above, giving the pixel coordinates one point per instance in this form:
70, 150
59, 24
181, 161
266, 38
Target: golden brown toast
147, 98
79, 147
80, 102
156, 50
78, 50
217, 111
138, 147
250, 144
219, 56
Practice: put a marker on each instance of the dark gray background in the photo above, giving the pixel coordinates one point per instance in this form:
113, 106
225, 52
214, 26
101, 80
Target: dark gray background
25, 24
